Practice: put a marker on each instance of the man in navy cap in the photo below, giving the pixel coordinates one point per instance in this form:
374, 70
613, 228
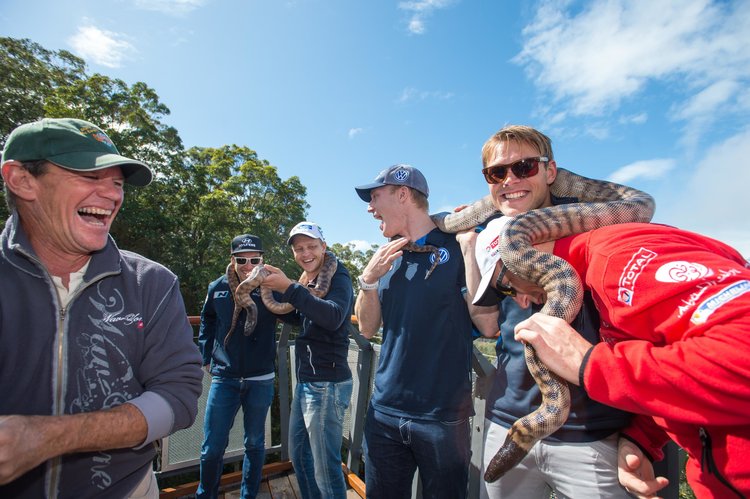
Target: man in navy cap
242, 368
97, 359
421, 402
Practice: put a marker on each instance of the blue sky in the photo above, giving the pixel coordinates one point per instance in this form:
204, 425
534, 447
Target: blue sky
651, 94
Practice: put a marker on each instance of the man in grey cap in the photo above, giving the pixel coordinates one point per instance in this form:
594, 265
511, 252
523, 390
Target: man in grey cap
421, 399
96, 354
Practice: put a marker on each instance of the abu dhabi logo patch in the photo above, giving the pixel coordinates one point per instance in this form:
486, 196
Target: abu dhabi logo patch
444, 256
681, 271
715, 302
630, 274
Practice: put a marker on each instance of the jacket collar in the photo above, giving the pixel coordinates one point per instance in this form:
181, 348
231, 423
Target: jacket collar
16, 248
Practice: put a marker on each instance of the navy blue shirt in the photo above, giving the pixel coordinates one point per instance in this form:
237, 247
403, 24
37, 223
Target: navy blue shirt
245, 356
321, 349
424, 370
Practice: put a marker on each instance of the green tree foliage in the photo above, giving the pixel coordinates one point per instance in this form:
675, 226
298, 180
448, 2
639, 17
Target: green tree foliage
355, 260
30, 74
199, 199
224, 192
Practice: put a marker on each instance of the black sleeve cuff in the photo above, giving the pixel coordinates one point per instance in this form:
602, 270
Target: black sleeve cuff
582, 369
645, 452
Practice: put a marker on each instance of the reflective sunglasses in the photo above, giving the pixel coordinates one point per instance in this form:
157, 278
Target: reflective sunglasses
524, 168
500, 288
241, 260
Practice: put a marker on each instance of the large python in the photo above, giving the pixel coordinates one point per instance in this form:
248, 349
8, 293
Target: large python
601, 203
242, 291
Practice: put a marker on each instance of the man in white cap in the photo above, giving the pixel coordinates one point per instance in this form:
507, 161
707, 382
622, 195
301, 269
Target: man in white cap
323, 306
97, 359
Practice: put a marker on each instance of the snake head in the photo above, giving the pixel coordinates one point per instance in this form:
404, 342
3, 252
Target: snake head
559, 280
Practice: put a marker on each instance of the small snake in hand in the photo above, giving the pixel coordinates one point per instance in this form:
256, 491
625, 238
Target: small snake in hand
243, 299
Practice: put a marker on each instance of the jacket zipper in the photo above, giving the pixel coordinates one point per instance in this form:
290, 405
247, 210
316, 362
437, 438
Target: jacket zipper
309, 357
708, 463
56, 463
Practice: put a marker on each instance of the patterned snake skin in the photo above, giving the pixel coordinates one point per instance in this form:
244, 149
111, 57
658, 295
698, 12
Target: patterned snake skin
601, 203
427, 248
244, 288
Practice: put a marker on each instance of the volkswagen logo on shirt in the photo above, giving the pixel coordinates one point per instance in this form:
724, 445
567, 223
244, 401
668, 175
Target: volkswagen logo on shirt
444, 256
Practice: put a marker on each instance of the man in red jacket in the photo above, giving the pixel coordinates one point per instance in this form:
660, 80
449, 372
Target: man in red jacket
675, 329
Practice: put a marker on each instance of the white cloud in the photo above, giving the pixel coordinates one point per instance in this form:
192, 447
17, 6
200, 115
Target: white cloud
359, 245
101, 47
713, 198
593, 58
170, 7
413, 94
648, 169
708, 100
636, 119
420, 10
355, 131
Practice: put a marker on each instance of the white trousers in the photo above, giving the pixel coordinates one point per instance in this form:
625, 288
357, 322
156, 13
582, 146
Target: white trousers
572, 470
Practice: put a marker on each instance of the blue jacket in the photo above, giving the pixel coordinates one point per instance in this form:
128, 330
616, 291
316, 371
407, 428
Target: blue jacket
123, 337
322, 346
246, 356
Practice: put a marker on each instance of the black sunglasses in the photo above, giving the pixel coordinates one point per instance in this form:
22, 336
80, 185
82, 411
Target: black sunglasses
524, 168
241, 260
503, 290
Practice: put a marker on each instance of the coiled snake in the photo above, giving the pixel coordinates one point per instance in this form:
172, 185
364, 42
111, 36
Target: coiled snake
243, 300
601, 203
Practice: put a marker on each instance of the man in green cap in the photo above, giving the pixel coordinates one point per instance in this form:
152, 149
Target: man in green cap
96, 353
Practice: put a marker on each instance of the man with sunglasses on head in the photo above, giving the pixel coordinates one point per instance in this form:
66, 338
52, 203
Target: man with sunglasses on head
580, 459
242, 371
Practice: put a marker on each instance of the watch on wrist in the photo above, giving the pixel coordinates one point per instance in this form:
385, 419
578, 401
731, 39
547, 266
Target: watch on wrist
365, 285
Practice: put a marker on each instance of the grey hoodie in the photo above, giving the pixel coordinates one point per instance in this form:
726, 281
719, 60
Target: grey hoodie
123, 337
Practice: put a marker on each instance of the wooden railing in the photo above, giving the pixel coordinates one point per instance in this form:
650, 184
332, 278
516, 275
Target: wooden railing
363, 370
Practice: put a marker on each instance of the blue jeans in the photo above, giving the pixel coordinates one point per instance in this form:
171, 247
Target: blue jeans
224, 399
395, 447
316, 424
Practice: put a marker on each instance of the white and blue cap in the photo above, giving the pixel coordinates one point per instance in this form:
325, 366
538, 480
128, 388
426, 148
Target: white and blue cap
487, 252
308, 229
395, 175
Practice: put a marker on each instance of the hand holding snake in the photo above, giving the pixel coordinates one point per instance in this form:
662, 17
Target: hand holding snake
382, 261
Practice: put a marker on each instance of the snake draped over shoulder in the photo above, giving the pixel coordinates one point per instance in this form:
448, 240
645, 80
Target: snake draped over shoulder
600, 203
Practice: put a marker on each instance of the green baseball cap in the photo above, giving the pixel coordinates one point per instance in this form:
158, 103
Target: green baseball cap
74, 145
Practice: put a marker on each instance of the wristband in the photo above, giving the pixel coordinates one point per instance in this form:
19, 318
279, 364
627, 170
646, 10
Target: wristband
364, 286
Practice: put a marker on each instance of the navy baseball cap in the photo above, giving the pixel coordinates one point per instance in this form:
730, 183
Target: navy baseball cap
395, 175
246, 242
